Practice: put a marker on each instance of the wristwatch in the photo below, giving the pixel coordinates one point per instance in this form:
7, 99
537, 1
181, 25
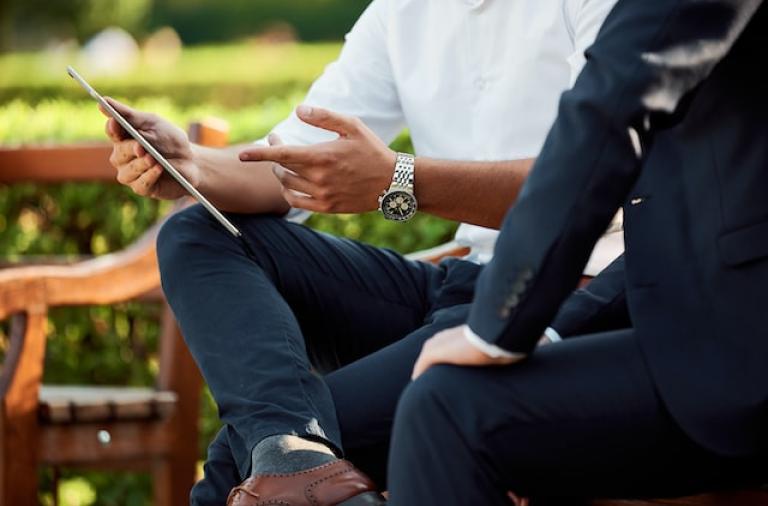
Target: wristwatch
398, 203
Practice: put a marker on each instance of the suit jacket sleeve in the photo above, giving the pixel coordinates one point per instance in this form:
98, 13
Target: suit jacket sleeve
648, 57
599, 306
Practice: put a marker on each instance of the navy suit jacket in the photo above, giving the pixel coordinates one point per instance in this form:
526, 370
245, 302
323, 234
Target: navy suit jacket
669, 119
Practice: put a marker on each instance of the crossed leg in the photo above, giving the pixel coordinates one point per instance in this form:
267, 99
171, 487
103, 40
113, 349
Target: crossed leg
265, 318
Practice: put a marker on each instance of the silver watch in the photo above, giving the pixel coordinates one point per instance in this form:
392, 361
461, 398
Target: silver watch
398, 203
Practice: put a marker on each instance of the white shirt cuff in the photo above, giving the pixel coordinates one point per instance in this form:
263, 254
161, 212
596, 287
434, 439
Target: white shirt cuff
552, 334
489, 349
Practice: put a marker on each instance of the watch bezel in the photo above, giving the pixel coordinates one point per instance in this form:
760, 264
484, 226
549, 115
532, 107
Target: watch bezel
397, 217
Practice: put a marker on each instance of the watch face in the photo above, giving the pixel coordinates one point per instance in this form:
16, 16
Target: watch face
398, 205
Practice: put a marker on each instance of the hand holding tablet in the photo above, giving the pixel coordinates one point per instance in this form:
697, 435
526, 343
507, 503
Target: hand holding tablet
154, 153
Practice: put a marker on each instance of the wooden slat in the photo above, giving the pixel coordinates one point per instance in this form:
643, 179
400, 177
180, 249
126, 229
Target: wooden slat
66, 404
434, 255
108, 279
79, 444
212, 132
55, 164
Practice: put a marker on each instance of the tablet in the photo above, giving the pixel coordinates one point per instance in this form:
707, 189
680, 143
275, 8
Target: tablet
165, 164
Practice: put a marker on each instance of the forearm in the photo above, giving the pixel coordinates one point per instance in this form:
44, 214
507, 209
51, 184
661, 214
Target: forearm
235, 186
479, 193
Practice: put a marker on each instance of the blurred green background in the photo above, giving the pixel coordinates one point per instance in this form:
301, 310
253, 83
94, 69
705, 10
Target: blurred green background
248, 62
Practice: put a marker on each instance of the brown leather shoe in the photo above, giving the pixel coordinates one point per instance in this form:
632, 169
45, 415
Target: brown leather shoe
334, 484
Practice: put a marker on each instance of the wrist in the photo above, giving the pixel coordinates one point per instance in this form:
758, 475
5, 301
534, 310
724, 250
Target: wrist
491, 350
388, 168
197, 162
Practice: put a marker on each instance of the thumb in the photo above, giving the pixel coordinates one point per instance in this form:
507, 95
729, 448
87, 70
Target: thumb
328, 120
125, 111
138, 119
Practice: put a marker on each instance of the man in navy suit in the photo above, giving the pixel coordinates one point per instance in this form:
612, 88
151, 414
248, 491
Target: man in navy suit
660, 385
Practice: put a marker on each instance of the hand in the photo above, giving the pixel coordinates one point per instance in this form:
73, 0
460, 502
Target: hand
343, 176
136, 168
517, 500
452, 347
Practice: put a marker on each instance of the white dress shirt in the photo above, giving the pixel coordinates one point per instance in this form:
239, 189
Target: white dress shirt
472, 80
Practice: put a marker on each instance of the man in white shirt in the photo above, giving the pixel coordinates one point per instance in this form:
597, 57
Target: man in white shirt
473, 80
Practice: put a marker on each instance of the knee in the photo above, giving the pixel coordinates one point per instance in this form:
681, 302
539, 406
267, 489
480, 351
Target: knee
179, 232
424, 401
440, 402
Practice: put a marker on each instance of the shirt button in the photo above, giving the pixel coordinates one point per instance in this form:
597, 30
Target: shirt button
481, 83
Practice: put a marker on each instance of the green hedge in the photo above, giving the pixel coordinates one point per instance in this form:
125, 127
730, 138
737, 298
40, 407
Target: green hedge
230, 75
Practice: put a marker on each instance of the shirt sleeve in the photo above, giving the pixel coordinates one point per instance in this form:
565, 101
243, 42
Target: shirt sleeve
584, 18
489, 349
360, 83
552, 335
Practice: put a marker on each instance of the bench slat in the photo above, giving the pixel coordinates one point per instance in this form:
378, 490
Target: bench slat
66, 404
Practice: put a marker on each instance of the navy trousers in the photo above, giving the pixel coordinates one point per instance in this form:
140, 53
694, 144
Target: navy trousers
298, 332
578, 419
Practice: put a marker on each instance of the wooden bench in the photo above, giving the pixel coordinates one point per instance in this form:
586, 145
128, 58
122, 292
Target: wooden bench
151, 429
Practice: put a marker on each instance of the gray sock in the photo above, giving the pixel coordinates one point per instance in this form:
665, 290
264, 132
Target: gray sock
288, 454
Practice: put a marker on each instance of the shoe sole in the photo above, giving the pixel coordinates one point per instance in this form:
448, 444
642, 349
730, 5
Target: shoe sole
367, 499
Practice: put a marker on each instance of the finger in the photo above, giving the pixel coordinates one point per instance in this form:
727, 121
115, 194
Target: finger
144, 184
303, 202
135, 117
284, 155
131, 171
125, 111
516, 500
328, 120
114, 131
425, 361
292, 181
123, 152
